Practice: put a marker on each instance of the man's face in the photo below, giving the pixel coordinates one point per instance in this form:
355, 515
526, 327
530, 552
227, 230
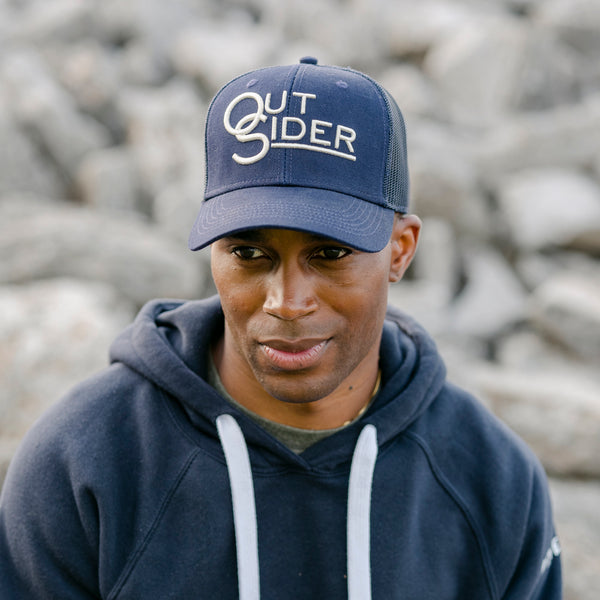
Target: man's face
302, 312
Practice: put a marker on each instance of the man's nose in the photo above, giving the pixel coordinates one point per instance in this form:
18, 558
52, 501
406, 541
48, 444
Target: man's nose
290, 293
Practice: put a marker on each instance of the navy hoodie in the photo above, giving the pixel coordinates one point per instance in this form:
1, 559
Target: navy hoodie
144, 483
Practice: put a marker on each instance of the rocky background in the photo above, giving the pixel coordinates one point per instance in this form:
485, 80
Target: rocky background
101, 171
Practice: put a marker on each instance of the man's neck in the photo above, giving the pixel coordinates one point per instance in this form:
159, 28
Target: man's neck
344, 404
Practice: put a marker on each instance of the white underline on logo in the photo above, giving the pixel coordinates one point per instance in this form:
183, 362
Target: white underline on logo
314, 149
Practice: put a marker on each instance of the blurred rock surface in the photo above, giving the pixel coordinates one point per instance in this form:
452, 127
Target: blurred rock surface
576, 511
42, 106
52, 333
567, 309
41, 241
551, 207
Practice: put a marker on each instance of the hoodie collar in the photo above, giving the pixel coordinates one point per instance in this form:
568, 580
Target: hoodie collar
168, 341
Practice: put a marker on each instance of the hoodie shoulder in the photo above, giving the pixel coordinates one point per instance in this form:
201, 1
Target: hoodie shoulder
99, 451
495, 479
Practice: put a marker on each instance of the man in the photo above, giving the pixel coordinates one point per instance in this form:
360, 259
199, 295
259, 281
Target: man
293, 437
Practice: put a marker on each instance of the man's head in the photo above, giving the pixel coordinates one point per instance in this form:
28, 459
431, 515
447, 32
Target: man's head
304, 313
307, 147
307, 183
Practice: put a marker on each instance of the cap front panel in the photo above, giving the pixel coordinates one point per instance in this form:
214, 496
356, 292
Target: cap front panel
344, 120
238, 132
306, 125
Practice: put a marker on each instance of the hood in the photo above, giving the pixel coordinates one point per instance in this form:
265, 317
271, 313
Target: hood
168, 341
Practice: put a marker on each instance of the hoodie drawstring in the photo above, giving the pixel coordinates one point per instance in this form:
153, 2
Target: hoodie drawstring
359, 515
244, 510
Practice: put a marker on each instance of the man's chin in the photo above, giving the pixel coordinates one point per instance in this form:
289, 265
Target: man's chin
297, 388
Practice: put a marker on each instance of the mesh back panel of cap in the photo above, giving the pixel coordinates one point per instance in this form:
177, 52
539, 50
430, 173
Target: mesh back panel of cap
395, 184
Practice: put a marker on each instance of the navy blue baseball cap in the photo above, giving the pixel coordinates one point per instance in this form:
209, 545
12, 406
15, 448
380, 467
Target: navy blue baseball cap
308, 147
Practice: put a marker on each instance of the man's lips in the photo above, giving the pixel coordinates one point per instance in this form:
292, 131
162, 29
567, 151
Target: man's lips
293, 355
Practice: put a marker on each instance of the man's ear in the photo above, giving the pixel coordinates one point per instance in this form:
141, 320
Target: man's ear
404, 239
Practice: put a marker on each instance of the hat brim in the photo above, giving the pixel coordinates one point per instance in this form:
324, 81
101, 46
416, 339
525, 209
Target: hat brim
347, 219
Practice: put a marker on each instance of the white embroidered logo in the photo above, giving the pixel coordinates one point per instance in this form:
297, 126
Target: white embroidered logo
291, 132
553, 551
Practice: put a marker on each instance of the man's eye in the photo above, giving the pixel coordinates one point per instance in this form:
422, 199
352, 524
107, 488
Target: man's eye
248, 252
333, 253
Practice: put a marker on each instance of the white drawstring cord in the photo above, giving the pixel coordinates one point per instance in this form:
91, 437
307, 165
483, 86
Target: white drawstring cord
244, 510
359, 515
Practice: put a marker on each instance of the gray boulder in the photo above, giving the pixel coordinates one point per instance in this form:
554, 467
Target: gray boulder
535, 268
42, 23
529, 350
551, 207
578, 524
410, 29
132, 255
413, 92
492, 299
500, 65
438, 258
23, 167
425, 301
107, 179
165, 133
92, 77
239, 46
53, 333
556, 412
577, 22
566, 308
476, 68
565, 137
445, 183
175, 208
48, 112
